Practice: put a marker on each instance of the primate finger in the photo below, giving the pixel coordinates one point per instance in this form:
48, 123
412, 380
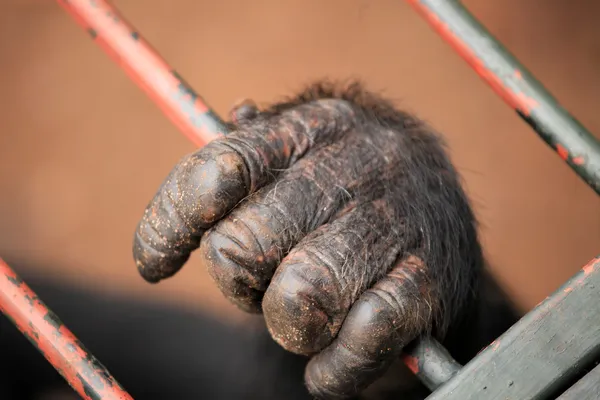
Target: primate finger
206, 185
317, 283
382, 321
243, 250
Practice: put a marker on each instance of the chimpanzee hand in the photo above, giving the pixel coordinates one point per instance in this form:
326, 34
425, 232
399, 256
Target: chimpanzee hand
337, 216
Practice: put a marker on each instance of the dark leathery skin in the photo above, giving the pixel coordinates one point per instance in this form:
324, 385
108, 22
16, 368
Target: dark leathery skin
317, 283
385, 318
210, 182
244, 110
337, 216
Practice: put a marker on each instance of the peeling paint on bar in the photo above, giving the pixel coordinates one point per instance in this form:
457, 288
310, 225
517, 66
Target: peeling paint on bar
430, 362
55, 341
144, 65
519, 89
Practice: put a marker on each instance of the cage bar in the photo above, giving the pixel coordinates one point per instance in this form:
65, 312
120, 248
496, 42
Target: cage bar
542, 352
86, 375
430, 362
517, 86
587, 388
182, 105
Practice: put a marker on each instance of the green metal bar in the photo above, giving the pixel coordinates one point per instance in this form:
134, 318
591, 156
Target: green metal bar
517, 86
540, 354
587, 388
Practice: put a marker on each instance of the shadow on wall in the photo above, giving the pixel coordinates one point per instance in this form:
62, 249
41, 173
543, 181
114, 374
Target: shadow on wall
156, 352
82, 150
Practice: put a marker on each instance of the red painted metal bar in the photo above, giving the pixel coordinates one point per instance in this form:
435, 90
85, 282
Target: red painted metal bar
141, 62
519, 89
53, 339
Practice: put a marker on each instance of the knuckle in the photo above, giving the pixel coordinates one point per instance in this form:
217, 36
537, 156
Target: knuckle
233, 261
227, 259
301, 306
369, 341
207, 184
241, 239
368, 331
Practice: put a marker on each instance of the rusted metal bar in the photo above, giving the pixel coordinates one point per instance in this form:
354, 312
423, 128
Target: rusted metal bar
509, 79
182, 105
544, 351
191, 114
55, 341
587, 388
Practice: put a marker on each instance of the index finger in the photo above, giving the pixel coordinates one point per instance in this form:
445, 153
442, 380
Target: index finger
207, 184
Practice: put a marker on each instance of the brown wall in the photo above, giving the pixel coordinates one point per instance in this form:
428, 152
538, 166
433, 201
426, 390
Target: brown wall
82, 150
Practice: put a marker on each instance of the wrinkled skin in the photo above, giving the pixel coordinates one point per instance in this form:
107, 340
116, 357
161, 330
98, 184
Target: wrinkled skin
337, 216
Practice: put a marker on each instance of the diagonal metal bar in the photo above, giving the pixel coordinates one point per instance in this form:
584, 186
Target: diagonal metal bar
182, 105
587, 388
55, 341
542, 352
511, 81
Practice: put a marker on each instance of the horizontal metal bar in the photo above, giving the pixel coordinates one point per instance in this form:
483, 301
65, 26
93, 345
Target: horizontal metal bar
511, 81
125, 45
55, 341
587, 388
542, 352
182, 105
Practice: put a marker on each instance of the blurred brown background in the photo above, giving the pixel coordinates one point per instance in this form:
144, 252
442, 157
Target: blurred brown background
82, 149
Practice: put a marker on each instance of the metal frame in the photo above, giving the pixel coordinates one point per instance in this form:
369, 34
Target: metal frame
587, 388
540, 355
492, 372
